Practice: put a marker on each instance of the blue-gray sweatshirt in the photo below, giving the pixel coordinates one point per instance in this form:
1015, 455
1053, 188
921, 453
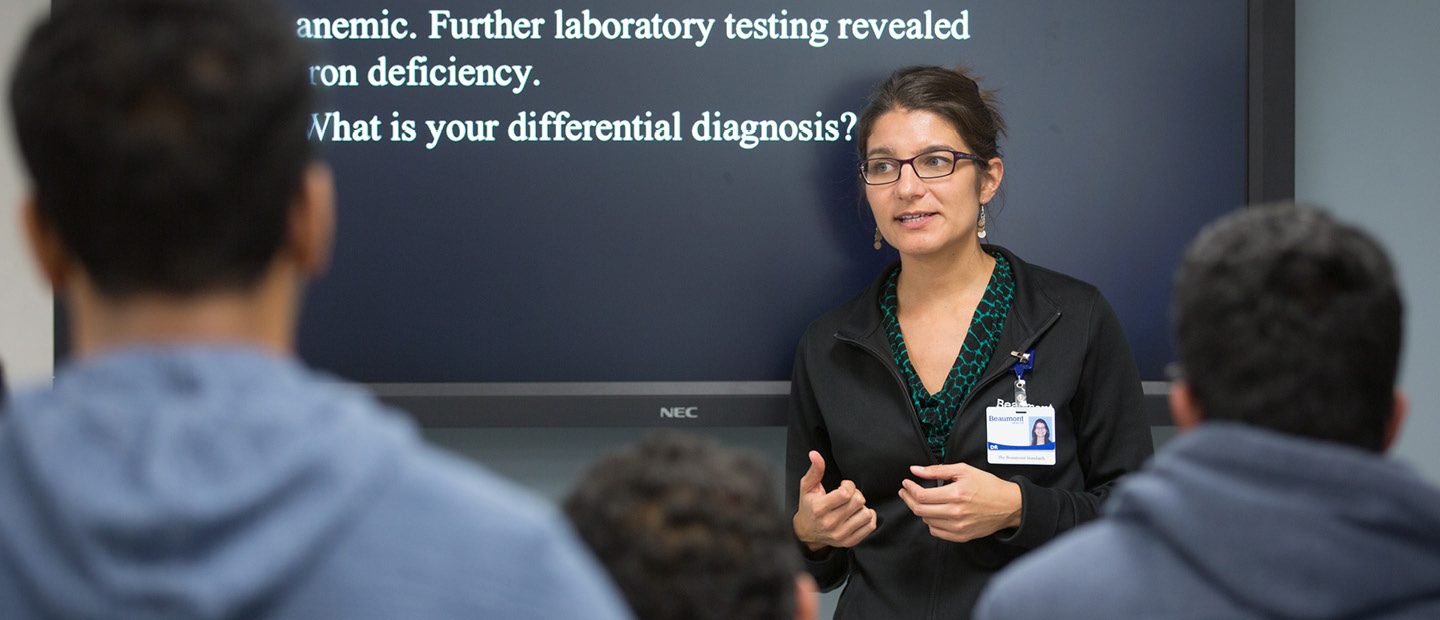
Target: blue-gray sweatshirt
229, 483
1235, 522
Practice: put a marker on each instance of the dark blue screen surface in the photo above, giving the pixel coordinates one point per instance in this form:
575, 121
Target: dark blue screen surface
694, 259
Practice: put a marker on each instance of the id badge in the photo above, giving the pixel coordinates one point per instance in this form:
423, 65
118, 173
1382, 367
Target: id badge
1017, 434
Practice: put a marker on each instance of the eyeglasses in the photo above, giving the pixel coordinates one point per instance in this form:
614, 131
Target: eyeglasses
931, 165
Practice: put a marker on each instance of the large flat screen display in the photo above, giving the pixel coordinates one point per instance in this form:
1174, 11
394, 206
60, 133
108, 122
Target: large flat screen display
622, 213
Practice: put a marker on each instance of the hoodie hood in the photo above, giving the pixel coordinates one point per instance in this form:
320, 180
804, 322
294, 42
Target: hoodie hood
196, 483
1295, 527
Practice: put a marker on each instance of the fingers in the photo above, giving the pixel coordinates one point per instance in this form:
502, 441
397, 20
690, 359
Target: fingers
937, 514
949, 471
970, 507
913, 492
839, 518
953, 535
815, 474
910, 494
845, 500
849, 520
854, 530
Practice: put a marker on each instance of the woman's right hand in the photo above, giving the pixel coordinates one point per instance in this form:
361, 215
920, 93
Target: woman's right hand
838, 518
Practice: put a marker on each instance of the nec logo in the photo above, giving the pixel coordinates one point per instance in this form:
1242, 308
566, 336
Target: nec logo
679, 412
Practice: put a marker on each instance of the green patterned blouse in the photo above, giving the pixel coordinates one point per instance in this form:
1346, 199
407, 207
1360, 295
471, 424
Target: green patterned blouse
937, 411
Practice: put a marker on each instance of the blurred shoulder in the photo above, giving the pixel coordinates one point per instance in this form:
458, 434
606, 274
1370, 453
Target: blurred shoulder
1097, 571
456, 534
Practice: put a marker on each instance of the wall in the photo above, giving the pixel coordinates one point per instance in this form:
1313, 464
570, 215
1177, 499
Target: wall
1367, 144
25, 331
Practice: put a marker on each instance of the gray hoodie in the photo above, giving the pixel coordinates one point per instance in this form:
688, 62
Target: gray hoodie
228, 483
1231, 521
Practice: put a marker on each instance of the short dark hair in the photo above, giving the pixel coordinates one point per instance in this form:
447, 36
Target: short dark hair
165, 139
690, 530
951, 94
1289, 320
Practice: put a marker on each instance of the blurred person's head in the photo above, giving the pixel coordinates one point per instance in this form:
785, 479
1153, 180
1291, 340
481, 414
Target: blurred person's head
166, 146
1289, 320
691, 530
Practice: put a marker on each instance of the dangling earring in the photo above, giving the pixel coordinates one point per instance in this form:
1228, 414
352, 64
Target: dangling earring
980, 233
877, 237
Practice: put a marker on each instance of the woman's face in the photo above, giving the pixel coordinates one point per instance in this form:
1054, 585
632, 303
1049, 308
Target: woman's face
1042, 430
922, 217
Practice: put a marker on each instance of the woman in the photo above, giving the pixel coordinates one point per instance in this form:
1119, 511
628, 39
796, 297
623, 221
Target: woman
1040, 433
895, 488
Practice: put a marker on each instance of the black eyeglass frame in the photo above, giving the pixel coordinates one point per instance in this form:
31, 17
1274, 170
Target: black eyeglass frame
900, 163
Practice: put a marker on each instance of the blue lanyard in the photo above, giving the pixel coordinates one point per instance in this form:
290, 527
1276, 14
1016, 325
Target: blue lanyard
1026, 364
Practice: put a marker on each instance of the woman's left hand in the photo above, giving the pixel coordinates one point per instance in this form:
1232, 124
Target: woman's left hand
973, 504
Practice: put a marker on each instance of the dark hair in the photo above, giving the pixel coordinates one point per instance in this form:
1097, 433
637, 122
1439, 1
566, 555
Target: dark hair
1049, 435
690, 530
165, 138
1289, 320
951, 94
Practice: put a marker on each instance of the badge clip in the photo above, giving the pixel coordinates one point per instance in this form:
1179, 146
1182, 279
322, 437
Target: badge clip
1026, 363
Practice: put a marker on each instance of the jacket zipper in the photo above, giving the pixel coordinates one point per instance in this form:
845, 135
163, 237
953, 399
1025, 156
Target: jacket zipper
904, 389
935, 543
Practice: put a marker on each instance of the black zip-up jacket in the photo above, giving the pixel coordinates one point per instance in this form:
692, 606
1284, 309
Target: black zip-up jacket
849, 401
